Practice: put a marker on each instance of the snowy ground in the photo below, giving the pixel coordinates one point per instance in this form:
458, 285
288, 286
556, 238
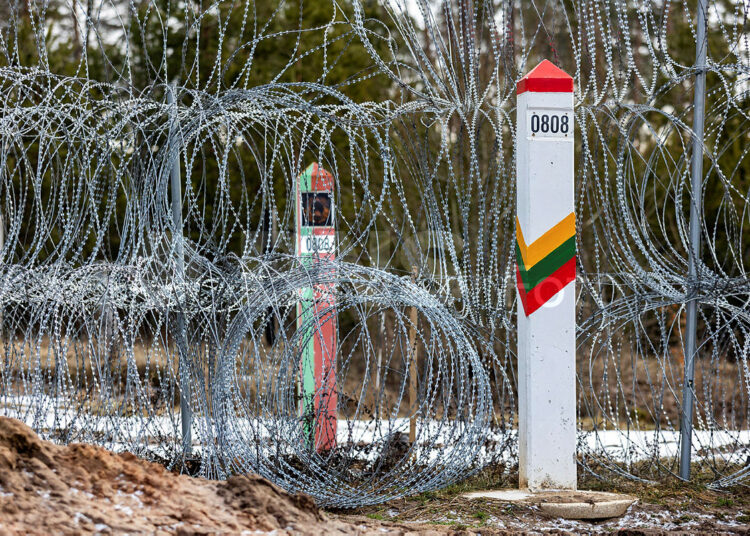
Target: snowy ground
50, 417
710, 512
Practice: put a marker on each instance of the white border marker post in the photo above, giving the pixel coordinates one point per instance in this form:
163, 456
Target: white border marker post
545, 278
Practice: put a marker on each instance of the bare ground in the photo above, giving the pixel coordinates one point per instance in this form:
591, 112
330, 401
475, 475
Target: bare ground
46, 489
663, 508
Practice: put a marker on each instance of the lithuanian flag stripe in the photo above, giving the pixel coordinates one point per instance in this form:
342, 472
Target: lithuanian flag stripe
547, 243
542, 293
547, 265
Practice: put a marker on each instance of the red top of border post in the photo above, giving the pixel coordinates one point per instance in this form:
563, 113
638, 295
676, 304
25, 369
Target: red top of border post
319, 178
546, 78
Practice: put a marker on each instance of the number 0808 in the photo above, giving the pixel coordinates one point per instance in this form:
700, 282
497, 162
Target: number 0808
317, 244
550, 123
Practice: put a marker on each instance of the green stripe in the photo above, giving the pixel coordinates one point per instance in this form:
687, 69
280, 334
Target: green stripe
308, 362
547, 266
305, 179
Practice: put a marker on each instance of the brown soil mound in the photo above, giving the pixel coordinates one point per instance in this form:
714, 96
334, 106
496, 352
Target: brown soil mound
48, 489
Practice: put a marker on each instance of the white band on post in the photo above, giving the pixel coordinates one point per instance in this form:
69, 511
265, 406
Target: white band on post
545, 278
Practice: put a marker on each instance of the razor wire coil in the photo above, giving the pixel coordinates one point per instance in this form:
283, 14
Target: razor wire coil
112, 314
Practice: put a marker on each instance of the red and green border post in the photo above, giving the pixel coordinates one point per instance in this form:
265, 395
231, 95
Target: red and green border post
316, 241
545, 278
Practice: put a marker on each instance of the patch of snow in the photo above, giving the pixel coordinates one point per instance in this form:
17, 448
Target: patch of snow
127, 510
81, 517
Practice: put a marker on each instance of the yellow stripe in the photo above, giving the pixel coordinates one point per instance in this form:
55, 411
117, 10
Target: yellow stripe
547, 243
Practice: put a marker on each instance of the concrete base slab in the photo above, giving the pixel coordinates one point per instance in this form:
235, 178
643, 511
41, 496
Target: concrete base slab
566, 504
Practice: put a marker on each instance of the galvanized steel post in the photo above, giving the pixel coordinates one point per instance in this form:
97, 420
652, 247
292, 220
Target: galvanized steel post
696, 208
186, 413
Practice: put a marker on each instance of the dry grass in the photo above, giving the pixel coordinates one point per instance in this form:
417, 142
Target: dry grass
641, 392
621, 388
670, 505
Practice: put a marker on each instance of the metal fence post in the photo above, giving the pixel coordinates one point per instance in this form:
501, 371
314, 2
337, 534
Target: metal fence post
186, 414
2, 246
699, 106
413, 370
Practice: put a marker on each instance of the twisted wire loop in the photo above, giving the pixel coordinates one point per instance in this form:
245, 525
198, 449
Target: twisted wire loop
257, 413
126, 295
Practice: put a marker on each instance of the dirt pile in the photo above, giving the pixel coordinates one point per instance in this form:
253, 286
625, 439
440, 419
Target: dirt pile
48, 489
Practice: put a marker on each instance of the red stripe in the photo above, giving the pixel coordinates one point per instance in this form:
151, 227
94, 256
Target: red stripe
326, 397
321, 180
546, 78
544, 85
545, 290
